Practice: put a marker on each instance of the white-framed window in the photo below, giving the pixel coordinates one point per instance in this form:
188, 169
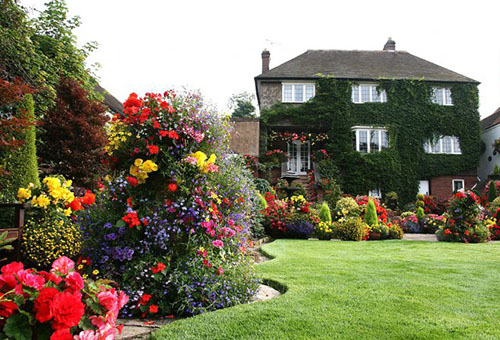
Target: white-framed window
299, 157
458, 185
297, 93
368, 93
370, 139
441, 96
375, 193
443, 145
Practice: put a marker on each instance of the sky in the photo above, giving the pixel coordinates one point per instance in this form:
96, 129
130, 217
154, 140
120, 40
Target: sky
215, 46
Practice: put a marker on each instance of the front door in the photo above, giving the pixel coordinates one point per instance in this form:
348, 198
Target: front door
299, 157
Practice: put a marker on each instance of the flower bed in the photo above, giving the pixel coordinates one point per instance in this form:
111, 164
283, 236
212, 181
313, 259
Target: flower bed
58, 304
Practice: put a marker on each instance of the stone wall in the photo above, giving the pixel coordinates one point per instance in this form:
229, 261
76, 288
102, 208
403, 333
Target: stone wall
270, 94
245, 136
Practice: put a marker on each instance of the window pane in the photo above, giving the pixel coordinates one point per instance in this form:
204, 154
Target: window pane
436, 147
374, 141
427, 147
365, 93
456, 145
383, 96
447, 144
299, 93
384, 139
287, 93
309, 92
375, 96
363, 141
458, 185
355, 94
447, 93
304, 156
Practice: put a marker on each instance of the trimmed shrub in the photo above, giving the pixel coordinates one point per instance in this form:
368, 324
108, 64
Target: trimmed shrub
351, 229
349, 204
324, 213
21, 164
262, 185
492, 193
371, 214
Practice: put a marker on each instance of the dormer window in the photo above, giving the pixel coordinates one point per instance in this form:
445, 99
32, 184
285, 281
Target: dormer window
441, 96
368, 93
297, 93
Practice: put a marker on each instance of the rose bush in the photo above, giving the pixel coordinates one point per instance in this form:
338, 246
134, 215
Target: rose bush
58, 304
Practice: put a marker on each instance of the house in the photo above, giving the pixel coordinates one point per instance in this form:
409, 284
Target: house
395, 122
490, 127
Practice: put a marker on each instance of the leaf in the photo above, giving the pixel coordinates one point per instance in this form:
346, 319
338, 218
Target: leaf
85, 323
18, 327
43, 332
121, 223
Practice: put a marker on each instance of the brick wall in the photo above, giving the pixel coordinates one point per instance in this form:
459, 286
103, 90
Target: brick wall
245, 136
270, 94
441, 186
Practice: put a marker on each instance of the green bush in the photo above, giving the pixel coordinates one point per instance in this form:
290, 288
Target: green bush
324, 213
21, 164
494, 205
261, 201
492, 192
348, 204
395, 232
371, 214
262, 185
407, 214
351, 229
420, 214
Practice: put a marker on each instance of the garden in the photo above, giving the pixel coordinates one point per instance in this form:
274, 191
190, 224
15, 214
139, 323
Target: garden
147, 214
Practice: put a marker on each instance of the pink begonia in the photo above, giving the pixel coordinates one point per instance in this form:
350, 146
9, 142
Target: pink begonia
31, 280
122, 300
106, 329
62, 265
108, 300
218, 243
86, 335
74, 281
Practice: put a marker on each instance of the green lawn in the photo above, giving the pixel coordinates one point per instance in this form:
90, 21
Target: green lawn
365, 290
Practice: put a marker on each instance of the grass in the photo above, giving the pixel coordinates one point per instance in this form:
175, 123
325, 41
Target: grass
365, 290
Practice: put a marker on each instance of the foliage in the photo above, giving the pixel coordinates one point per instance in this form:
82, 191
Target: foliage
371, 214
262, 185
391, 200
400, 167
324, 230
174, 220
50, 230
462, 222
420, 214
59, 304
299, 229
492, 192
42, 50
363, 204
493, 208
21, 163
74, 135
348, 204
432, 205
324, 213
351, 229
331, 190
242, 105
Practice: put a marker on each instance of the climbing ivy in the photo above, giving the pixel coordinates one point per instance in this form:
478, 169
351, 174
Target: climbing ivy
410, 117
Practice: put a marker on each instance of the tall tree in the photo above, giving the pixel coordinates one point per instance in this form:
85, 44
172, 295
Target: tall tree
242, 105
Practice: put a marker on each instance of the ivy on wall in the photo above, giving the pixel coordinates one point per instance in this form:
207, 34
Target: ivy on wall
410, 117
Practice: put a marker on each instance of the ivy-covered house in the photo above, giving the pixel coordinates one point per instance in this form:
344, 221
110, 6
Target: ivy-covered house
490, 135
394, 121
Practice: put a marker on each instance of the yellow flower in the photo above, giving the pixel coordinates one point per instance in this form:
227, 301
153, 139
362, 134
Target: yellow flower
23, 194
149, 166
52, 182
68, 183
108, 178
42, 201
138, 162
95, 272
67, 212
200, 158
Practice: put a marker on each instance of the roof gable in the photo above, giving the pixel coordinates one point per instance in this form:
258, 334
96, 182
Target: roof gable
362, 65
491, 120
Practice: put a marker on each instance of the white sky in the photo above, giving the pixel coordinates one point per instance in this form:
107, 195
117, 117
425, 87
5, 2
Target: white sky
215, 46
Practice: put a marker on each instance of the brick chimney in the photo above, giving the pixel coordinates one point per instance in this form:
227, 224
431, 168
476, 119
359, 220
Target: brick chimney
390, 45
266, 58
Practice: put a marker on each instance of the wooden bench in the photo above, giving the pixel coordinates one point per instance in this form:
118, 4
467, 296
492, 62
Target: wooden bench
16, 230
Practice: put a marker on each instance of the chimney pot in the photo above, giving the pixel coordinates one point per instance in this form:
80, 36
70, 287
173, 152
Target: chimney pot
390, 45
266, 58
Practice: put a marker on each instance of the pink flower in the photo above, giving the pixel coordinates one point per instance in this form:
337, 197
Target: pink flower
31, 280
218, 243
62, 265
86, 335
220, 271
122, 299
74, 281
106, 330
108, 299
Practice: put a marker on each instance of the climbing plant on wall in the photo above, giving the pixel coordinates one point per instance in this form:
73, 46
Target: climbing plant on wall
411, 119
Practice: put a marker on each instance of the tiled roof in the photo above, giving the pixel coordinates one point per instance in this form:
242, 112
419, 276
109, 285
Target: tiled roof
109, 100
362, 65
491, 120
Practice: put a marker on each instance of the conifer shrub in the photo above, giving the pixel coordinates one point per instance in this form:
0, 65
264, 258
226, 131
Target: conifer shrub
324, 213
371, 214
492, 192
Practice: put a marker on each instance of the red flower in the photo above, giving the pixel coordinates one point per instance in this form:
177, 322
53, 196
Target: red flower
88, 198
145, 299
153, 149
132, 181
12, 268
173, 135
7, 308
163, 133
153, 309
131, 219
67, 310
172, 187
75, 205
447, 231
158, 268
220, 271
62, 334
132, 101
466, 233
74, 282
43, 302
